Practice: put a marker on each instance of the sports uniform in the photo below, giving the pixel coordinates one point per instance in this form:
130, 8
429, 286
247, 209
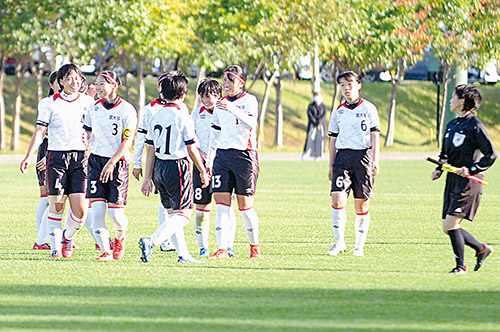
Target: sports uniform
352, 126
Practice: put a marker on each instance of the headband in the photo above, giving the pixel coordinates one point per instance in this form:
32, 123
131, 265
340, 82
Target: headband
233, 74
109, 78
161, 79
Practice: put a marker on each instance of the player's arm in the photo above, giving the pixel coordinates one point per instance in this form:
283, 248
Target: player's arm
486, 148
332, 154
140, 139
194, 154
107, 171
248, 119
375, 136
147, 184
36, 140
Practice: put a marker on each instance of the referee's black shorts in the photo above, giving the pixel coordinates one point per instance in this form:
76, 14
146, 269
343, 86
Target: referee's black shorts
461, 196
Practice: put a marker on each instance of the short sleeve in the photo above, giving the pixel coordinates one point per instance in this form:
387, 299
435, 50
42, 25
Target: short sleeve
333, 126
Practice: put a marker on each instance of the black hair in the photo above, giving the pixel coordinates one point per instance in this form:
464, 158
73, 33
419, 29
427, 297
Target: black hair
237, 70
209, 86
85, 85
65, 70
174, 86
348, 76
471, 96
52, 79
113, 75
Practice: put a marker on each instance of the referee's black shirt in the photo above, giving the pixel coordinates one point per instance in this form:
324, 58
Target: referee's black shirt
466, 143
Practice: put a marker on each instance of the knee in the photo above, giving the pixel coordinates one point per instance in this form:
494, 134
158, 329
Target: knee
59, 207
338, 204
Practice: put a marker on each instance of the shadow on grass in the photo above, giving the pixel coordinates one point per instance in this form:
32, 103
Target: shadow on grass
244, 309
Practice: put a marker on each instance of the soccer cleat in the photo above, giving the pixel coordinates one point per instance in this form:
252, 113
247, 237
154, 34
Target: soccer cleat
221, 253
358, 252
188, 259
255, 251
44, 246
55, 254
119, 249
146, 248
459, 270
67, 248
97, 247
111, 244
166, 246
230, 251
204, 252
106, 256
337, 248
481, 256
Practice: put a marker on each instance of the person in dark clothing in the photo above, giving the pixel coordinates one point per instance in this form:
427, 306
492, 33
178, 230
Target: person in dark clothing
466, 145
316, 128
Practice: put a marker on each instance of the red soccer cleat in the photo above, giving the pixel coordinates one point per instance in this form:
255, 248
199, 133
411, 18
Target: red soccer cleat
67, 248
119, 249
97, 247
221, 253
44, 246
55, 254
255, 251
106, 256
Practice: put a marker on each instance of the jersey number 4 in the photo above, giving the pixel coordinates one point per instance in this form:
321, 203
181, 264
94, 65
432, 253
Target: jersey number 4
167, 138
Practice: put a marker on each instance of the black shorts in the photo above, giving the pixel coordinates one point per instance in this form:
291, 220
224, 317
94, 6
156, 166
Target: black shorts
66, 172
235, 170
113, 191
353, 169
42, 153
461, 197
201, 195
172, 178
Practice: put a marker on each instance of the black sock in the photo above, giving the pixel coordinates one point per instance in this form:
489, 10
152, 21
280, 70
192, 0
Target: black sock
457, 242
471, 241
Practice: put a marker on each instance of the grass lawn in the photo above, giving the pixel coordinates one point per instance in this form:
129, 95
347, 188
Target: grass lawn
401, 284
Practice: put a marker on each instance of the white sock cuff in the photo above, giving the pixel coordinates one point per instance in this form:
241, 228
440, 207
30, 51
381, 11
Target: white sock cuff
54, 217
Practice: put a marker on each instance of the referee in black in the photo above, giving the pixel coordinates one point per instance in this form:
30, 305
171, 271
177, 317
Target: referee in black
466, 145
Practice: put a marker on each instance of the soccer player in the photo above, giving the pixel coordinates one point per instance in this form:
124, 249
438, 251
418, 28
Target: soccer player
235, 165
210, 91
466, 145
354, 132
170, 140
140, 139
66, 160
41, 222
110, 125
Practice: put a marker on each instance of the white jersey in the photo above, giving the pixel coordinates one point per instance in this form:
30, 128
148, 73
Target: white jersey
110, 127
64, 116
44, 102
353, 125
237, 125
142, 129
170, 130
202, 118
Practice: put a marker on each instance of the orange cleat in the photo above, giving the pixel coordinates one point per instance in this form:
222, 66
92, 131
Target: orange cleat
255, 251
119, 249
221, 253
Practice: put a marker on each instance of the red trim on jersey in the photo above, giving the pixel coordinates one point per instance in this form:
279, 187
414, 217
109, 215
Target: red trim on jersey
229, 205
363, 214
345, 105
156, 102
243, 210
101, 101
58, 95
333, 207
202, 210
174, 105
180, 184
203, 108
249, 144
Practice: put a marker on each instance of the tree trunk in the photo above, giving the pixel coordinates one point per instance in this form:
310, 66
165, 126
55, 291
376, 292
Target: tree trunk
263, 108
336, 87
38, 74
278, 139
125, 64
2, 104
257, 74
200, 76
16, 113
391, 119
316, 81
446, 81
141, 90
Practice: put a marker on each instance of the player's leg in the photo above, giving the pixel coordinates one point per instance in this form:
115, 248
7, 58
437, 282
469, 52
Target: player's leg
54, 223
341, 184
222, 223
41, 229
43, 233
166, 245
232, 231
202, 199
361, 224
117, 199
99, 226
251, 223
451, 226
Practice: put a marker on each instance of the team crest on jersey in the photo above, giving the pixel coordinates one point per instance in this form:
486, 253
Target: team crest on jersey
114, 117
458, 139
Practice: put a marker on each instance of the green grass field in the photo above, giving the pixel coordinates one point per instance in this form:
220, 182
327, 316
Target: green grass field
401, 284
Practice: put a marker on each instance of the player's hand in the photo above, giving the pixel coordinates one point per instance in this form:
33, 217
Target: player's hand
205, 179
24, 165
376, 168
137, 173
330, 173
91, 90
436, 175
107, 172
221, 104
41, 165
147, 187
463, 171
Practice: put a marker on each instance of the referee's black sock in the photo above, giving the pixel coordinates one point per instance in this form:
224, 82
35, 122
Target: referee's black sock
457, 242
471, 241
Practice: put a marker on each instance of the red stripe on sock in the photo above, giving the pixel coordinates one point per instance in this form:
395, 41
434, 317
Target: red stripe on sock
116, 207
333, 207
51, 218
362, 214
229, 205
43, 196
243, 210
202, 210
